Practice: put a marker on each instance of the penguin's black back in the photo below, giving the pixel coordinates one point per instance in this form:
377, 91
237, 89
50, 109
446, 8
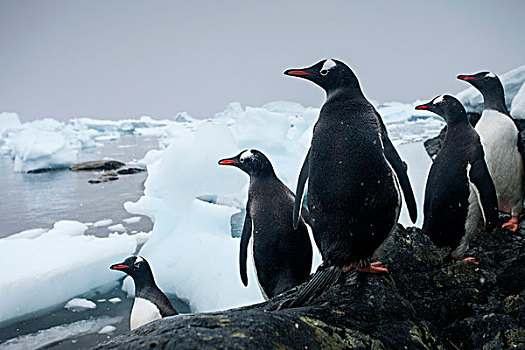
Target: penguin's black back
352, 195
447, 190
157, 297
282, 255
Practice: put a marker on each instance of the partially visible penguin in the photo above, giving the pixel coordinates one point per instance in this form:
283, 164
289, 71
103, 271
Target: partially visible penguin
282, 256
353, 172
458, 182
150, 303
504, 148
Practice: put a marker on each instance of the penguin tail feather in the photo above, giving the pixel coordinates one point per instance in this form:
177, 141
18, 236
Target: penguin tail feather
324, 278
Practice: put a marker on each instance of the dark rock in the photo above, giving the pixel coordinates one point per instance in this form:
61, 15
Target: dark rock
45, 170
129, 171
97, 165
424, 303
105, 177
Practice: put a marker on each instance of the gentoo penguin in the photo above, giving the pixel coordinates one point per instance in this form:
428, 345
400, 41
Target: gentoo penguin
503, 145
458, 182
150, 303
353, 172
282, 256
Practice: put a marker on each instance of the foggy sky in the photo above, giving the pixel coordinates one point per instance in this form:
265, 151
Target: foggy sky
114, 59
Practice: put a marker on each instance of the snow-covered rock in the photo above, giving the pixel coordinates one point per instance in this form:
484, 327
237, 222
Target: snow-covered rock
117, 228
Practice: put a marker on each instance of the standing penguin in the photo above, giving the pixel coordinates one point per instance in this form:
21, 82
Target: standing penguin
504, 148
150, 303
282, 256
353, 172
458, 183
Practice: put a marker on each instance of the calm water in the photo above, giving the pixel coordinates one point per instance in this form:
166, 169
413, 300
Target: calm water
39, 200
31, 201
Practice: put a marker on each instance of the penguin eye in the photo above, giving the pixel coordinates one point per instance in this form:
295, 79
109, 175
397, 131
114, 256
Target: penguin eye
137, 264
324, 72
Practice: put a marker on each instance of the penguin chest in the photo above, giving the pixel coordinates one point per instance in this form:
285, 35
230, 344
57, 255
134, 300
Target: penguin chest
143, 311
499, 137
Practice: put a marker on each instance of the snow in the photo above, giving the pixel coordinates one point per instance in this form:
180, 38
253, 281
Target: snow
518, 104
512, 81
104, 222
132, 220
50, 336
60, 263
79, 304
107, 330
115, 300
117, 228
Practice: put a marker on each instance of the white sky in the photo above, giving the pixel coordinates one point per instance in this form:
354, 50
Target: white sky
121, 58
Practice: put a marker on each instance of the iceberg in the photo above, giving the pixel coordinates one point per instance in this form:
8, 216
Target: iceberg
517, 110
60, 263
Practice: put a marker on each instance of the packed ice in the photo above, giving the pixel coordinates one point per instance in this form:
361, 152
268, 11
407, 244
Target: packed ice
60, 263
79, 304
53, 335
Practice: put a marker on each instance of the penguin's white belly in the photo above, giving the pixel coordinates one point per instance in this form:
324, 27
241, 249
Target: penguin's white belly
499, 136
251, 252
143, 311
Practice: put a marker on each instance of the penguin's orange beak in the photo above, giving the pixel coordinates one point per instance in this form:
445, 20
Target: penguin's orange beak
423, 107
229, 161
297, 73
119, 267
466, 77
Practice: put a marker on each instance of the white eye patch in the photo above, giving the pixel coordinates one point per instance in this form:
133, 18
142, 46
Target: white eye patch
245, 155
490, 75
138, 260
328, 64
438, 99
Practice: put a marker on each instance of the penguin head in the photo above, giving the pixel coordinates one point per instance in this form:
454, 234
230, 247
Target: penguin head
487, 83
251, 161
329, 74
447, 107
135, 266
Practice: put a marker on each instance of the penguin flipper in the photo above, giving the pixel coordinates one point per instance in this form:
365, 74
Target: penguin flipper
243, 253
303, 176
325, 277
522, 154
400, 169
479, 175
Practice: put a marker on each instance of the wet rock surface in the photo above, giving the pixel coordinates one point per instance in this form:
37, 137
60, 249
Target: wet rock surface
424, 303
97, 165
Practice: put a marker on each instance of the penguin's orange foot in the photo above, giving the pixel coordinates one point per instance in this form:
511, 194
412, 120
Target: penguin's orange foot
348, 269
512, 224
468, 259
373, 268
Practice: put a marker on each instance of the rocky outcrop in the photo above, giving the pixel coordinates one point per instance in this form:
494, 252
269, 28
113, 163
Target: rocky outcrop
424, 303
97, 165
